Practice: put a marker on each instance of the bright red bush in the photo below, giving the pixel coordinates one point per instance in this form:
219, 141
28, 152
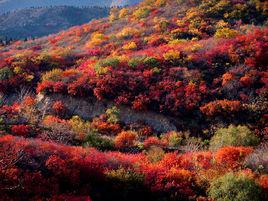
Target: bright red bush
232, 156
21, 130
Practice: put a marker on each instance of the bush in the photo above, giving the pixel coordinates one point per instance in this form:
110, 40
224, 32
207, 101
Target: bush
141, 13
233, 136
5, 73
125, 139
136, 61
20, 130
233, 187
221, 107
113, 115
108, 62
130, 46
172, 56
151, 62
226, 33
53, 75
93, 139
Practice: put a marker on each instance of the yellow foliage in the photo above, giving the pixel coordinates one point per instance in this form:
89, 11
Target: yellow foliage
172, 55
130, 46
53, 75
17, 70
194, 47
96, 39
123, 12
221, 24
78, 125
177, 41
226, 33
113, 14
29, 78
141, 13
160, 3
127, 32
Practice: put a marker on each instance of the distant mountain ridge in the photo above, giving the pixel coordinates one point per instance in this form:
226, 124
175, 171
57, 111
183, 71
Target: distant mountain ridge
10, 5
41, 21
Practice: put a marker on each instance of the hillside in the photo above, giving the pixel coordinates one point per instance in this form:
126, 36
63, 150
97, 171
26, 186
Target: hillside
36, 22
11, 5
165, 100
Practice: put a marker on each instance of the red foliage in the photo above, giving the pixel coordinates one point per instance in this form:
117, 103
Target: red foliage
59, 107
105, 128
153, 141
263, 181
21, 130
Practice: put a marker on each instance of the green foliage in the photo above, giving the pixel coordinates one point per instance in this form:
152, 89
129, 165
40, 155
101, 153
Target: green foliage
113, 115
233, 136
5, 73
126, 176
127, 180
93, 139
135, 61
111, 61
151, 62
231, 187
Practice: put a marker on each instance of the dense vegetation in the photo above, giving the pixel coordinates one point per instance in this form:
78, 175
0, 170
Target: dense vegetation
202, 64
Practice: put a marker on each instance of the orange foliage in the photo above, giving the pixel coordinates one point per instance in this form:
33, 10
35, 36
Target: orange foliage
232, 156
125, 139
221, 107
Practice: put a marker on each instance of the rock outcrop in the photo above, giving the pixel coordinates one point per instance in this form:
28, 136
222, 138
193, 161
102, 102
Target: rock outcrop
88, 108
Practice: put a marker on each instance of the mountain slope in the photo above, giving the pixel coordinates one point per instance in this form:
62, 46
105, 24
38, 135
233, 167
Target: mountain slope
36, 22
87, 122
11, 5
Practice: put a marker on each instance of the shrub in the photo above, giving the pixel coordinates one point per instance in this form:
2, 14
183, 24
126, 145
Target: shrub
111, 61
125, 139
113, 115
130, 46
20, 130
232, 157
173, 138
226, 33
221, 107
135, 61
141, 13
5, 73
59, 107
152, 141
233, 187
126, 177
233, 136
53, 75
155, 154
123, 12
151, 62
172, 56
127, 32
93, 139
